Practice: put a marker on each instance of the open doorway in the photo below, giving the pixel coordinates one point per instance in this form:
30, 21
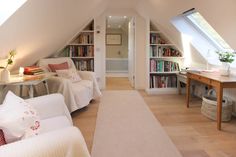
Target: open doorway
120, 56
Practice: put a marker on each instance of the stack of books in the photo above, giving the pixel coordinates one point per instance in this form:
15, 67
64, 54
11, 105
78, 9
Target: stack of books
163, 66
33, 70
163, 81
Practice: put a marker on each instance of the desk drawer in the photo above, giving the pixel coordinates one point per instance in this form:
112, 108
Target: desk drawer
202, 79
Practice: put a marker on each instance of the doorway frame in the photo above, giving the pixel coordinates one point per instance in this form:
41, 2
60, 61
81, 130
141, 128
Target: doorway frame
134, 56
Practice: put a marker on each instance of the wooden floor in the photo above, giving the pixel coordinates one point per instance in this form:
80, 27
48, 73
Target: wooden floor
118, 83
192, 133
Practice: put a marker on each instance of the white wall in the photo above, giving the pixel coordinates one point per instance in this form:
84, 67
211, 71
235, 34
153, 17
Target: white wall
118, 51
100, 49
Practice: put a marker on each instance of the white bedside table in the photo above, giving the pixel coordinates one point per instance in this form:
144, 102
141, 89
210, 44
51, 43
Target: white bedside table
30, 81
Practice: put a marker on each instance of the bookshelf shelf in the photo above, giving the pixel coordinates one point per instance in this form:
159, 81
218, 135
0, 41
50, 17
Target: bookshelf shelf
81, 49
164, 60
166, 57
165, 72
162, 91
81, 44
87, 31
162, 45
155, 32
82, 57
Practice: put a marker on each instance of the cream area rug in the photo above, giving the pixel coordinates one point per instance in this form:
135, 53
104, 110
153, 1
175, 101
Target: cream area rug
127, 128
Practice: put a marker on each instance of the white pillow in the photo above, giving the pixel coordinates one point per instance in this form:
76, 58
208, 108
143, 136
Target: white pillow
18, 119
69, 74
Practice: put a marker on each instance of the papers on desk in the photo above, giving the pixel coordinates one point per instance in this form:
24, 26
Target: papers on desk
211, 71
202, 70
183, 72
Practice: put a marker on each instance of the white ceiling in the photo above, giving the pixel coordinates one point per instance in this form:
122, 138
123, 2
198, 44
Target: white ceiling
116, 22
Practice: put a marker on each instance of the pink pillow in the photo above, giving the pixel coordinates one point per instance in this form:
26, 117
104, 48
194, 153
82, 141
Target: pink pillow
2, 138
60, 66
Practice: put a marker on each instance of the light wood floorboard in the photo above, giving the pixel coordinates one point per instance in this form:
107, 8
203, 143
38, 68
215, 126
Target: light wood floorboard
192, 133
118, 83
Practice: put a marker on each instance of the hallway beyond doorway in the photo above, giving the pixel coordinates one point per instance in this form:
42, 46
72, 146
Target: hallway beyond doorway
118, 83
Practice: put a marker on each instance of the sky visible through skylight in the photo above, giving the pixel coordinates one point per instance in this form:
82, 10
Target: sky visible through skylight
8, 7
198, 20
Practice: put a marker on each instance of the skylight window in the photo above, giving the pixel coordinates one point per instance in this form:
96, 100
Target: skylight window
9, 7
202, 36
198, 21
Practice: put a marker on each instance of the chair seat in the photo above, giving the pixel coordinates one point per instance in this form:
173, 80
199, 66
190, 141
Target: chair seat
83, 92
54, 123
77, 94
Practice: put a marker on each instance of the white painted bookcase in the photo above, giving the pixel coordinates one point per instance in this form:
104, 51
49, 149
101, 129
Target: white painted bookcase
81, 48
164, 60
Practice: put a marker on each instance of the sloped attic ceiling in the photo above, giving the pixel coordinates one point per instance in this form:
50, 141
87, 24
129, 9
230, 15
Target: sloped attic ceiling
40, 27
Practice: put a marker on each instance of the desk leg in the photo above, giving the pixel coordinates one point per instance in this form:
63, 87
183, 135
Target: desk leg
188, 84
45, 82
31, 91
179, 86
21, 91
219, 105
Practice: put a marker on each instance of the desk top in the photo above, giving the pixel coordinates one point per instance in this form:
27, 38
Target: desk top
27, 79
215, 76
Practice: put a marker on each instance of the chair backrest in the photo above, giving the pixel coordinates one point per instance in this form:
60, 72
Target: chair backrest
43, 63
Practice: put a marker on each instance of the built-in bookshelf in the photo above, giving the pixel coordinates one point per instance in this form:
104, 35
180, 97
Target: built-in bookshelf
164, 61
81, 49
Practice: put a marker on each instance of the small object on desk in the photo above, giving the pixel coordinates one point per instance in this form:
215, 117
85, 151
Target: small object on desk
183, 72
33, 70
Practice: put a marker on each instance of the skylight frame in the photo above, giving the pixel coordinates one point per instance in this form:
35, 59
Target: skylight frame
214, 41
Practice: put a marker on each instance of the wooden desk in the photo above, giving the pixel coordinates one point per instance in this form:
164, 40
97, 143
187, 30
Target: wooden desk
213, 80
28, 80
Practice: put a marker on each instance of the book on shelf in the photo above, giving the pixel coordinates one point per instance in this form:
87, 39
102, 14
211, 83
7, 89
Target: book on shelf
159, 51
163, 81
85, 38
155, 38
84, 65
163, 66
81, 51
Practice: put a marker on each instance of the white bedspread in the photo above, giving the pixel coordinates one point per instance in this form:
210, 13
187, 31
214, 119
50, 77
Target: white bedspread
74, 97
66, 142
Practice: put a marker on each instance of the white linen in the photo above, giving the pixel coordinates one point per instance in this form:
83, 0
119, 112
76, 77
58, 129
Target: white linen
70, 74
67, 142
49, 106
78, 94
54, 123
58, 137
87, 75
18, 119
